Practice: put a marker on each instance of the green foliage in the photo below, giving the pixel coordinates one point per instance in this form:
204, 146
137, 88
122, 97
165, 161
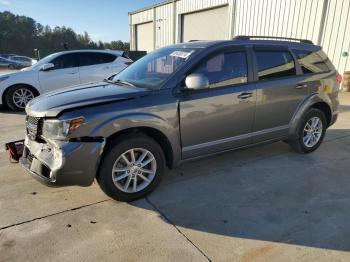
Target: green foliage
21, 35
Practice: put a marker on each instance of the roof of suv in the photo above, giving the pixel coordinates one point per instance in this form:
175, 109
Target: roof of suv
290, 44
115, 52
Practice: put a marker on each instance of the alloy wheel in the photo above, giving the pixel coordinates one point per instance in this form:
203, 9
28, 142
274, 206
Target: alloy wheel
312, 132
22, 96
134, 170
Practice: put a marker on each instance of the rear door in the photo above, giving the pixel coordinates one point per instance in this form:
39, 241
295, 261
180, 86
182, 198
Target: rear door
95, 66
219, 117
279, 92
64, 73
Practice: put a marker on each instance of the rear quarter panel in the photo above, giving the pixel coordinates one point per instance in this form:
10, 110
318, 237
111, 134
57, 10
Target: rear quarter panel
326, 90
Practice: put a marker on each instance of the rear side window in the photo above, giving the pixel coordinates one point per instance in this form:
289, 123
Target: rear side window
65, 61
312, 62
274, 64
225, 69
93, 58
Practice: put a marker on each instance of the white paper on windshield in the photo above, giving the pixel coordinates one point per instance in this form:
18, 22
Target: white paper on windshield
181, 54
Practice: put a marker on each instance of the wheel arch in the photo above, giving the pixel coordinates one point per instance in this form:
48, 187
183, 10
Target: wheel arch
313, 101
326, 109
152, 132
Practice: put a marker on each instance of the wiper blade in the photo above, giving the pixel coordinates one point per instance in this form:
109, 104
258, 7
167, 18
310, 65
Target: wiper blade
123, 82
108, 81
118, 82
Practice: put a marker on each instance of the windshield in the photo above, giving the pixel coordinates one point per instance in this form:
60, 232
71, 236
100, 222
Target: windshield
156, 68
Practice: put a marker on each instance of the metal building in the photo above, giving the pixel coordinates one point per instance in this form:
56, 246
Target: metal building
325, 22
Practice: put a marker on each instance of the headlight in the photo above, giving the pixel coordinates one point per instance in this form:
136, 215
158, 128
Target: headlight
60, 129
3, 78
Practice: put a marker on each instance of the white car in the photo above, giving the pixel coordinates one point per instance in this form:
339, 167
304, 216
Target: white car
59, 70
24, 61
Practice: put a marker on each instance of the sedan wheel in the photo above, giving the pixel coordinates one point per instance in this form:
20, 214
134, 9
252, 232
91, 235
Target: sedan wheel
21, 97
18, 96
134, 170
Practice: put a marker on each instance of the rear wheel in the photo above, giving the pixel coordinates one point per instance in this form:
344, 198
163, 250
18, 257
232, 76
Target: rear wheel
310, 132
11, 67
131, 168
18, 96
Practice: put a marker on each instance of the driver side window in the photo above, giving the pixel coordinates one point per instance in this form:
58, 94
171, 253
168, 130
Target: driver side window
225, 69
66, 61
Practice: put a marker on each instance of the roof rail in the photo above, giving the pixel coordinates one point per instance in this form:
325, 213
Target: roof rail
253, 37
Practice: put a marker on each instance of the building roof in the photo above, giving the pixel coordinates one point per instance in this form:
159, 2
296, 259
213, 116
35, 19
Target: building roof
151, 6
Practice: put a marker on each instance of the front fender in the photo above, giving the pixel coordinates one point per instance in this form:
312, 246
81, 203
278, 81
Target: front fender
20, 78
168, 127
305, 105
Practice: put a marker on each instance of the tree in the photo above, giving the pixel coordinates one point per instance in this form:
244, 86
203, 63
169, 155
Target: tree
21, 35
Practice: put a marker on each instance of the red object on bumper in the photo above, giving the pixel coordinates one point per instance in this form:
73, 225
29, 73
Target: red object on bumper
15, 150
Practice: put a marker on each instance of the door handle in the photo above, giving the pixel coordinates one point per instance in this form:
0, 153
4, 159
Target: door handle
245, 95
301, 86
72, 73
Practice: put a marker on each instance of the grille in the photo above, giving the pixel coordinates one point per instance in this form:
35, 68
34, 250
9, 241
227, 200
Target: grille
32, 126
32, 120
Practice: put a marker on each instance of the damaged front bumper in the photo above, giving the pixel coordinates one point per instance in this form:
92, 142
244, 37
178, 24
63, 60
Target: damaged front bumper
62, 163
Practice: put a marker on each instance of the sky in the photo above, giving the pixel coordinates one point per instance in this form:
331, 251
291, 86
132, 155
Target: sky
104, 20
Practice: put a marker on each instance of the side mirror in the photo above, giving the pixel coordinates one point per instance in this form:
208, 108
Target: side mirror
196, 81
47, 67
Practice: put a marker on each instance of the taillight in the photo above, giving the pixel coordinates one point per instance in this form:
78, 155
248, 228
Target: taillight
128, 63
339, 78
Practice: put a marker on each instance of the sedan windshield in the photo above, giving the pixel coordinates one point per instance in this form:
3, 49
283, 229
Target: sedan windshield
156, 68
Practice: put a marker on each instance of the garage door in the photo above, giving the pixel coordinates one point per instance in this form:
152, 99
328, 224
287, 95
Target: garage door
144, 37
205, 25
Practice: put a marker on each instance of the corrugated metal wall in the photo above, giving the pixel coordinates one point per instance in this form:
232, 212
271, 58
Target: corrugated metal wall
336, 36
164, 25
286, 18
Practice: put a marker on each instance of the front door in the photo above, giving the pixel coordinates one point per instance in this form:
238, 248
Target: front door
219, 117
279, 93
65, 73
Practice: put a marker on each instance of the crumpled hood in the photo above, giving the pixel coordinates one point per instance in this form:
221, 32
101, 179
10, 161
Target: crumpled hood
52, 103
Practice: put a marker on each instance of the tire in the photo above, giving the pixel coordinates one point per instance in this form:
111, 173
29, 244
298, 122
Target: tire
113, 160
14, 94
303, 141
12, 67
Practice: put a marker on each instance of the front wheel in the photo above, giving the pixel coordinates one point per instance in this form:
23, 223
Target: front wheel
310, 132
131, 168
18, 96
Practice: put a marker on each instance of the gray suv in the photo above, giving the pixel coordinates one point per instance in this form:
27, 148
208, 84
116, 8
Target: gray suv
179, 103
